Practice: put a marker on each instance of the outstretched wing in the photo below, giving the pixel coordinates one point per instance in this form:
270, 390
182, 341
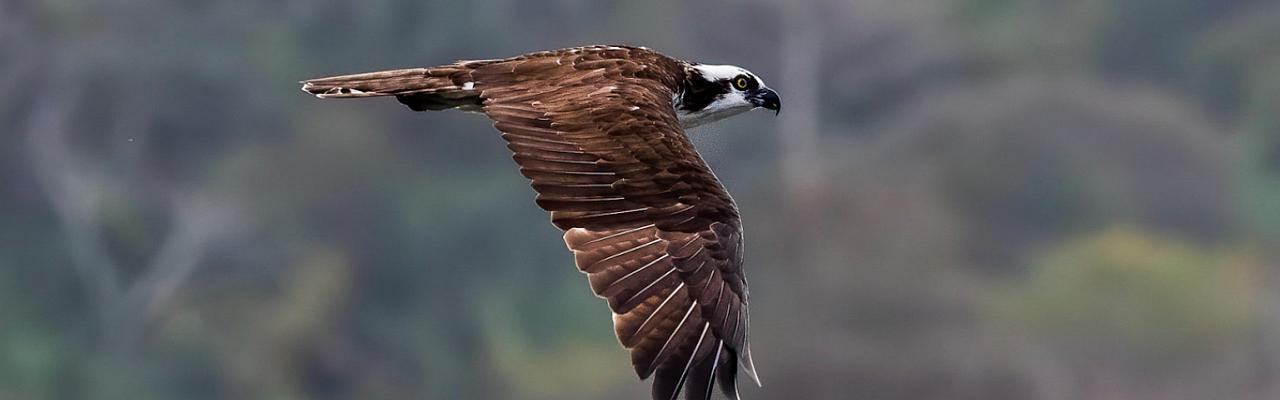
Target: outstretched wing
595, 130
660, 239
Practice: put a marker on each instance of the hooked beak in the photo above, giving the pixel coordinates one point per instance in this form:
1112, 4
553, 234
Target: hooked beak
767, 98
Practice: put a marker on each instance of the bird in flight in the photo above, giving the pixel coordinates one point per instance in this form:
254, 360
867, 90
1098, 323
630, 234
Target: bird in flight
599, 131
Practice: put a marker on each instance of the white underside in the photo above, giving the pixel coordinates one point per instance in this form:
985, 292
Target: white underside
706, 116
732, 103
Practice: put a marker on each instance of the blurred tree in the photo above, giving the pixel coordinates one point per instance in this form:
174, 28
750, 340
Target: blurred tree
169, 192
1124, 306
1041, 159
1239, 61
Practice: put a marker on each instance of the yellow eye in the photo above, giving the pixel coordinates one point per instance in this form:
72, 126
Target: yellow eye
741, 82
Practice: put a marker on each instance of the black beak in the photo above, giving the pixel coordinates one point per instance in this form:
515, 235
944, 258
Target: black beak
767, 98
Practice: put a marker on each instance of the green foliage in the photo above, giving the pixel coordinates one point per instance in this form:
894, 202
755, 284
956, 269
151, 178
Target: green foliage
970, 156
1129, 294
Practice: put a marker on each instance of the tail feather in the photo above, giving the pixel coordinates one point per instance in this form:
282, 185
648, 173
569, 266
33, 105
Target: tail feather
421, 89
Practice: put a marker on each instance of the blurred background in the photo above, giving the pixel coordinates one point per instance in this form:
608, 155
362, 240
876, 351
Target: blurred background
964, 199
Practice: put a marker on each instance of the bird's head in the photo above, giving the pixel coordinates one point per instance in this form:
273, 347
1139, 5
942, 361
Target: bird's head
715, 92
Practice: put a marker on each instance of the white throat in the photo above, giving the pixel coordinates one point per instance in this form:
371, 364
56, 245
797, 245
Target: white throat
716, 111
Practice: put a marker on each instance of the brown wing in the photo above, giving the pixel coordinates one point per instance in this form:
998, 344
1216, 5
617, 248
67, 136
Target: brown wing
656, 233
658, 236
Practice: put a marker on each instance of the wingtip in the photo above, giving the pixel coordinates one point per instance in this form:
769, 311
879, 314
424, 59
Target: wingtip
334, 92
749, 367
307, 88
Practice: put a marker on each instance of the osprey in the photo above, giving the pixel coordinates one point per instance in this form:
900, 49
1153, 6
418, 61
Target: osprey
599, 131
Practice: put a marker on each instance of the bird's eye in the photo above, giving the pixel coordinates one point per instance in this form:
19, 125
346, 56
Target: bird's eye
741, 82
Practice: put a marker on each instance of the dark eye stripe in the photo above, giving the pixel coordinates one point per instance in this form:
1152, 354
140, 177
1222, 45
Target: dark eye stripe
700, 92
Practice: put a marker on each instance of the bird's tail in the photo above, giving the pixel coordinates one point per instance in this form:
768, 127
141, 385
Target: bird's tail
435, 88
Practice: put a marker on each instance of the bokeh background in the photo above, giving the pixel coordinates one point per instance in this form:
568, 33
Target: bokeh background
963, 199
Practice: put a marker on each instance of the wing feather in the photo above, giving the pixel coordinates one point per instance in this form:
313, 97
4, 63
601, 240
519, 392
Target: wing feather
595, 131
